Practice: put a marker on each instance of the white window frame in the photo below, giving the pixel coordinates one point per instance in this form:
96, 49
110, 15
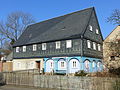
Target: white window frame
94, 45
57, 44
74, 64
43, 46
17, 49
97, 31
62, 64
24, 48
88, 43
99, 47
90, 27
68, 43
35, 47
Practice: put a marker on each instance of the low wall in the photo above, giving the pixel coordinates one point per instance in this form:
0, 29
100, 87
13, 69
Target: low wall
62, 82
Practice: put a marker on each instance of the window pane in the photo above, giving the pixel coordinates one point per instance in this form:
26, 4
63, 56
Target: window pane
88, 44
58, 45
24, 48
68, 43
17, 49
43, 46
91, 29
34, 47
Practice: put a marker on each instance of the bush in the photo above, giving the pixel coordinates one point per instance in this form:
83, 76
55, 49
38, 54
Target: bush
80, 73
115, 71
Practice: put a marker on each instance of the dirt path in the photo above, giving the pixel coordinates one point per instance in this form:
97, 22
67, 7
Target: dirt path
11, 87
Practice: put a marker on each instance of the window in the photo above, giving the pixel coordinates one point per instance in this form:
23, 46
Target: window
74, 64
88, 44
99, 47
98, 64
93, 64
97, 32
34, 47
51, 64
58, 45
17, 49
90, 27
24, 48
94, 45
62, 64
68, 43
43, 46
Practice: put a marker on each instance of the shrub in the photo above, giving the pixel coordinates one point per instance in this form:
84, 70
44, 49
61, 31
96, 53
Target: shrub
80, 73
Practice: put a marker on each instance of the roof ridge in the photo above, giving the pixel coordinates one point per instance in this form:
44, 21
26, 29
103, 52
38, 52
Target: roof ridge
62, 15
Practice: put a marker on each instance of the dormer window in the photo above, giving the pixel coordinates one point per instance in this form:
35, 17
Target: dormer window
17, 49
43, 46
68, 43
58, 45
34, 47
90, 27
88, 44
97, 31
94, 45
24, 48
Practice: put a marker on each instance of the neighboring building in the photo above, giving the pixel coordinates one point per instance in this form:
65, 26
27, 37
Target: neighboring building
66, 44
6, 64
111, 49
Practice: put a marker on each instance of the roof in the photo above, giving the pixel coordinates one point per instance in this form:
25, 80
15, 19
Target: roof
58, 28
112, 33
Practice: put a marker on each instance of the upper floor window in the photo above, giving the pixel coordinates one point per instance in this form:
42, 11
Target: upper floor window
58, 45
94, 45
97, 31
99, 47
43, 46
88, 44
90, 27
24, 48
68, 43
17, 49
34, 47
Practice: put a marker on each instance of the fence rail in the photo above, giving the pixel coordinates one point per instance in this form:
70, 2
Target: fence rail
62, 82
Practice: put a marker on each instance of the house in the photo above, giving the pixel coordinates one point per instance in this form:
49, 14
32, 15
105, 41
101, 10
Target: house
6, 61
111, 49
65, 44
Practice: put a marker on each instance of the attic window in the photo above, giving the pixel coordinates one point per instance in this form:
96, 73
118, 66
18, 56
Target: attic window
97, 32
90, 27
63, 28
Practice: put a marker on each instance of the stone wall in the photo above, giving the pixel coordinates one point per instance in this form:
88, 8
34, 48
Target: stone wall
62, 82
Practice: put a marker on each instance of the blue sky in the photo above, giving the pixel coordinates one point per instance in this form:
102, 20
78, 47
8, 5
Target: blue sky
46, 9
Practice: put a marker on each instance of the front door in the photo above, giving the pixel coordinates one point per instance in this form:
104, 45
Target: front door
38, 65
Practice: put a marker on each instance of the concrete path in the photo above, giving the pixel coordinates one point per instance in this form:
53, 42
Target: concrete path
11, 87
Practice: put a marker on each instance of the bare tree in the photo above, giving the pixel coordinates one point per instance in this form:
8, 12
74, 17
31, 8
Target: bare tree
115, 17
15, 24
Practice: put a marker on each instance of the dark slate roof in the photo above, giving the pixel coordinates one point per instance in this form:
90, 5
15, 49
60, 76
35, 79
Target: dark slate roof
58, 28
